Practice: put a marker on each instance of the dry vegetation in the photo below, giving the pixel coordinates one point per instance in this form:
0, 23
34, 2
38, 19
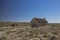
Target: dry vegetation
25, 32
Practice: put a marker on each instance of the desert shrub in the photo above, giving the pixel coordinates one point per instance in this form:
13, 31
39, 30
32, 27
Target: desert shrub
53, 25
2, 29
3, 38
54, 33
45, 36
19, 31
1, 25
52, 38
8, 32
13, 25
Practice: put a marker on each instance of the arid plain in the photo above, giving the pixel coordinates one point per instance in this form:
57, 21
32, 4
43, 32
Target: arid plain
24, 31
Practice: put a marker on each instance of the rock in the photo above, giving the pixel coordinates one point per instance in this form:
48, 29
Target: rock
38, 22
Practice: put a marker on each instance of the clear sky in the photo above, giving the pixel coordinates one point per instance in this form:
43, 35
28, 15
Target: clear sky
25, 10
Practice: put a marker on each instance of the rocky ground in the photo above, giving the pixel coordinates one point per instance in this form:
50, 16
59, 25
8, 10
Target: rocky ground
50, 32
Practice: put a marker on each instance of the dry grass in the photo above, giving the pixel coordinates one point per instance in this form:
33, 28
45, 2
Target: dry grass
26, 32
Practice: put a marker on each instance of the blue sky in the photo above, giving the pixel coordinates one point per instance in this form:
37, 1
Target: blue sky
25, 10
